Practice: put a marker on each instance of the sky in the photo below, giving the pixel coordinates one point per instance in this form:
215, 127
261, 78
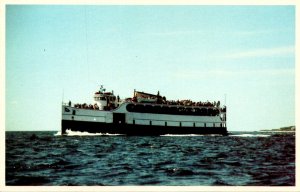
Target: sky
243, 56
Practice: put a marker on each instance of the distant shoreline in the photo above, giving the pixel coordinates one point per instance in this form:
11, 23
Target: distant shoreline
290, 129
278, 131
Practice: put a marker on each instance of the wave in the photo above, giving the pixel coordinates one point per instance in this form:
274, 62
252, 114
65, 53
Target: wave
79, 133
58, 133
187, 135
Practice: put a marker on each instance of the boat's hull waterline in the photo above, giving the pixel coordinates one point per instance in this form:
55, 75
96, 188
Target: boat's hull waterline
138, 130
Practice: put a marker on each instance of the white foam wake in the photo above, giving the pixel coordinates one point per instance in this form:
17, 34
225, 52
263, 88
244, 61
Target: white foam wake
250, 135
79, 133
58, 133
187, 135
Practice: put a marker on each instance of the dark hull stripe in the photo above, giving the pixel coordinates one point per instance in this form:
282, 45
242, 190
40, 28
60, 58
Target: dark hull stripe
130, 129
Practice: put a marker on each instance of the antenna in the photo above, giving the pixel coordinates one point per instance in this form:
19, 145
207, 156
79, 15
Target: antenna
225, 99
62, 101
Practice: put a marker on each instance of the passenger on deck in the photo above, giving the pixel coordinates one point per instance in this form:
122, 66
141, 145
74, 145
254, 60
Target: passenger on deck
96, 107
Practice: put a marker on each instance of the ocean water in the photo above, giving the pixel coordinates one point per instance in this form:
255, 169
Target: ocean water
240, 159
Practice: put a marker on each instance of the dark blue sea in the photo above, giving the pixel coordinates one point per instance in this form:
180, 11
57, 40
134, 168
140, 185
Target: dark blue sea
240, 159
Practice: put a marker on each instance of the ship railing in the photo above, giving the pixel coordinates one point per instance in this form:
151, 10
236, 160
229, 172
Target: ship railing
166, 105
65, 104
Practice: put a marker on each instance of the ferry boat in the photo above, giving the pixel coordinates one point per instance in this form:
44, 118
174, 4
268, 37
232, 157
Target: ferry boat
144, 114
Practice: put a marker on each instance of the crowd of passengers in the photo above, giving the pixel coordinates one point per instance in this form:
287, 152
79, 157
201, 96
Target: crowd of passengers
185, 102
85, 106
111, 106
191, 103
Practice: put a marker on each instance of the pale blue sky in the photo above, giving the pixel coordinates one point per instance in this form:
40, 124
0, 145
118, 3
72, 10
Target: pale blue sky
185, 52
